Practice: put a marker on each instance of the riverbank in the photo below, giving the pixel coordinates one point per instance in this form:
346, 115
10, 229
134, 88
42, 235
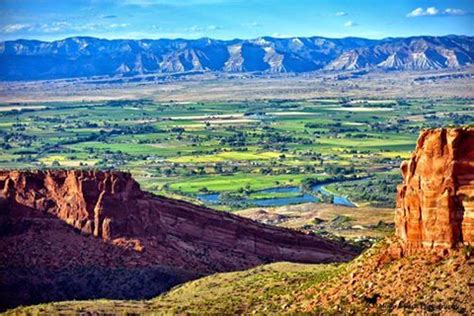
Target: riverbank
281, 196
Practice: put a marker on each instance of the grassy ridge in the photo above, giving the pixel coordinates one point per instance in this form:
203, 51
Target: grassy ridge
374, 283
268, 288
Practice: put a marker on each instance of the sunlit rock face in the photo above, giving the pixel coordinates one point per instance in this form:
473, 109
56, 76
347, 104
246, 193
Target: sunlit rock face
435, 203
109, 205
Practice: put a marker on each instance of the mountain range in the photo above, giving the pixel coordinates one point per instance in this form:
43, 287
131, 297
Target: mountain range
87, 56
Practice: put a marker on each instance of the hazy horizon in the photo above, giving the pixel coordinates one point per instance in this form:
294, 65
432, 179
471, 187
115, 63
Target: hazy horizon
227, 40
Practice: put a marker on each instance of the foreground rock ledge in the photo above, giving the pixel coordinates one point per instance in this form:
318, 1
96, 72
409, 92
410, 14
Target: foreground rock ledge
435, 203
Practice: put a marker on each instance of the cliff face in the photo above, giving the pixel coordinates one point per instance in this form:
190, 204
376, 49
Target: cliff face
111, 206
435, 203
89, 227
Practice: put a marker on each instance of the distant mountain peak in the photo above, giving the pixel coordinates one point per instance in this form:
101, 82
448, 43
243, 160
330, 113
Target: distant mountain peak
83, 56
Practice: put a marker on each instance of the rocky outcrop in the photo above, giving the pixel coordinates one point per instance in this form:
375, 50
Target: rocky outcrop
92, 230
111, 206
435, 203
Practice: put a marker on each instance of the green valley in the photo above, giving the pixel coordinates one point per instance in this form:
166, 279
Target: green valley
236, 149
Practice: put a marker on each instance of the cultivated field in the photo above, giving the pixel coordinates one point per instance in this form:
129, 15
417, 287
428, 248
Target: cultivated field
232, 150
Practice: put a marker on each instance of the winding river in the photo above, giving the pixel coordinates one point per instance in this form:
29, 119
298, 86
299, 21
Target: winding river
214, 198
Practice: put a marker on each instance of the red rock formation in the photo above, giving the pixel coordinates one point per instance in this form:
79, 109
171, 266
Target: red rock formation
110, 205
74, 220
435, 203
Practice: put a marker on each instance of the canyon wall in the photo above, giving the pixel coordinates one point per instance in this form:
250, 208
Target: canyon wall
111, 206
435, 203
87, 234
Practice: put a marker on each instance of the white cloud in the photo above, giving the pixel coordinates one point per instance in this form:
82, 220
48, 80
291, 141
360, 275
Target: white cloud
201, 29
119, 25
147, 3
195, 29
350, 24
62, 27
12, 28
214, 27
340, 13
416, 12
53, 27
433, 11
252, 24
451, 11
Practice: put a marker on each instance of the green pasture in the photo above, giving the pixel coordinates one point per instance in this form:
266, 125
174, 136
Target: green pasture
221, 183
181, 148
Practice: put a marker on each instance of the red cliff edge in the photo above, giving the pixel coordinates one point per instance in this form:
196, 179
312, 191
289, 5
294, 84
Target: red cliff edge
110, 205
87, 234
435, 202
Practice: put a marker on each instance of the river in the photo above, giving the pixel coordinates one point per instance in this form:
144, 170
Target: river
214, 198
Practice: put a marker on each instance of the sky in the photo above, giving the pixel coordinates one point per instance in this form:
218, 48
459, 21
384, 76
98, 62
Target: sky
227, 19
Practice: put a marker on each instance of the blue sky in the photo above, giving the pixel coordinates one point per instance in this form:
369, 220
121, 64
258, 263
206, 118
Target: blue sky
227, 19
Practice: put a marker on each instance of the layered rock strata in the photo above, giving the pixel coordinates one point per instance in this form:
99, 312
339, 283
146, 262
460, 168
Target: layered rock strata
435, 203
97, 232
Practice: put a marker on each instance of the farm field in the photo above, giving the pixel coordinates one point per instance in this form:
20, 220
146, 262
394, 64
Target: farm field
230, 149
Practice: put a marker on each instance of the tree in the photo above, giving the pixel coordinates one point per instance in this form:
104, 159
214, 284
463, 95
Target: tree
203, 190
